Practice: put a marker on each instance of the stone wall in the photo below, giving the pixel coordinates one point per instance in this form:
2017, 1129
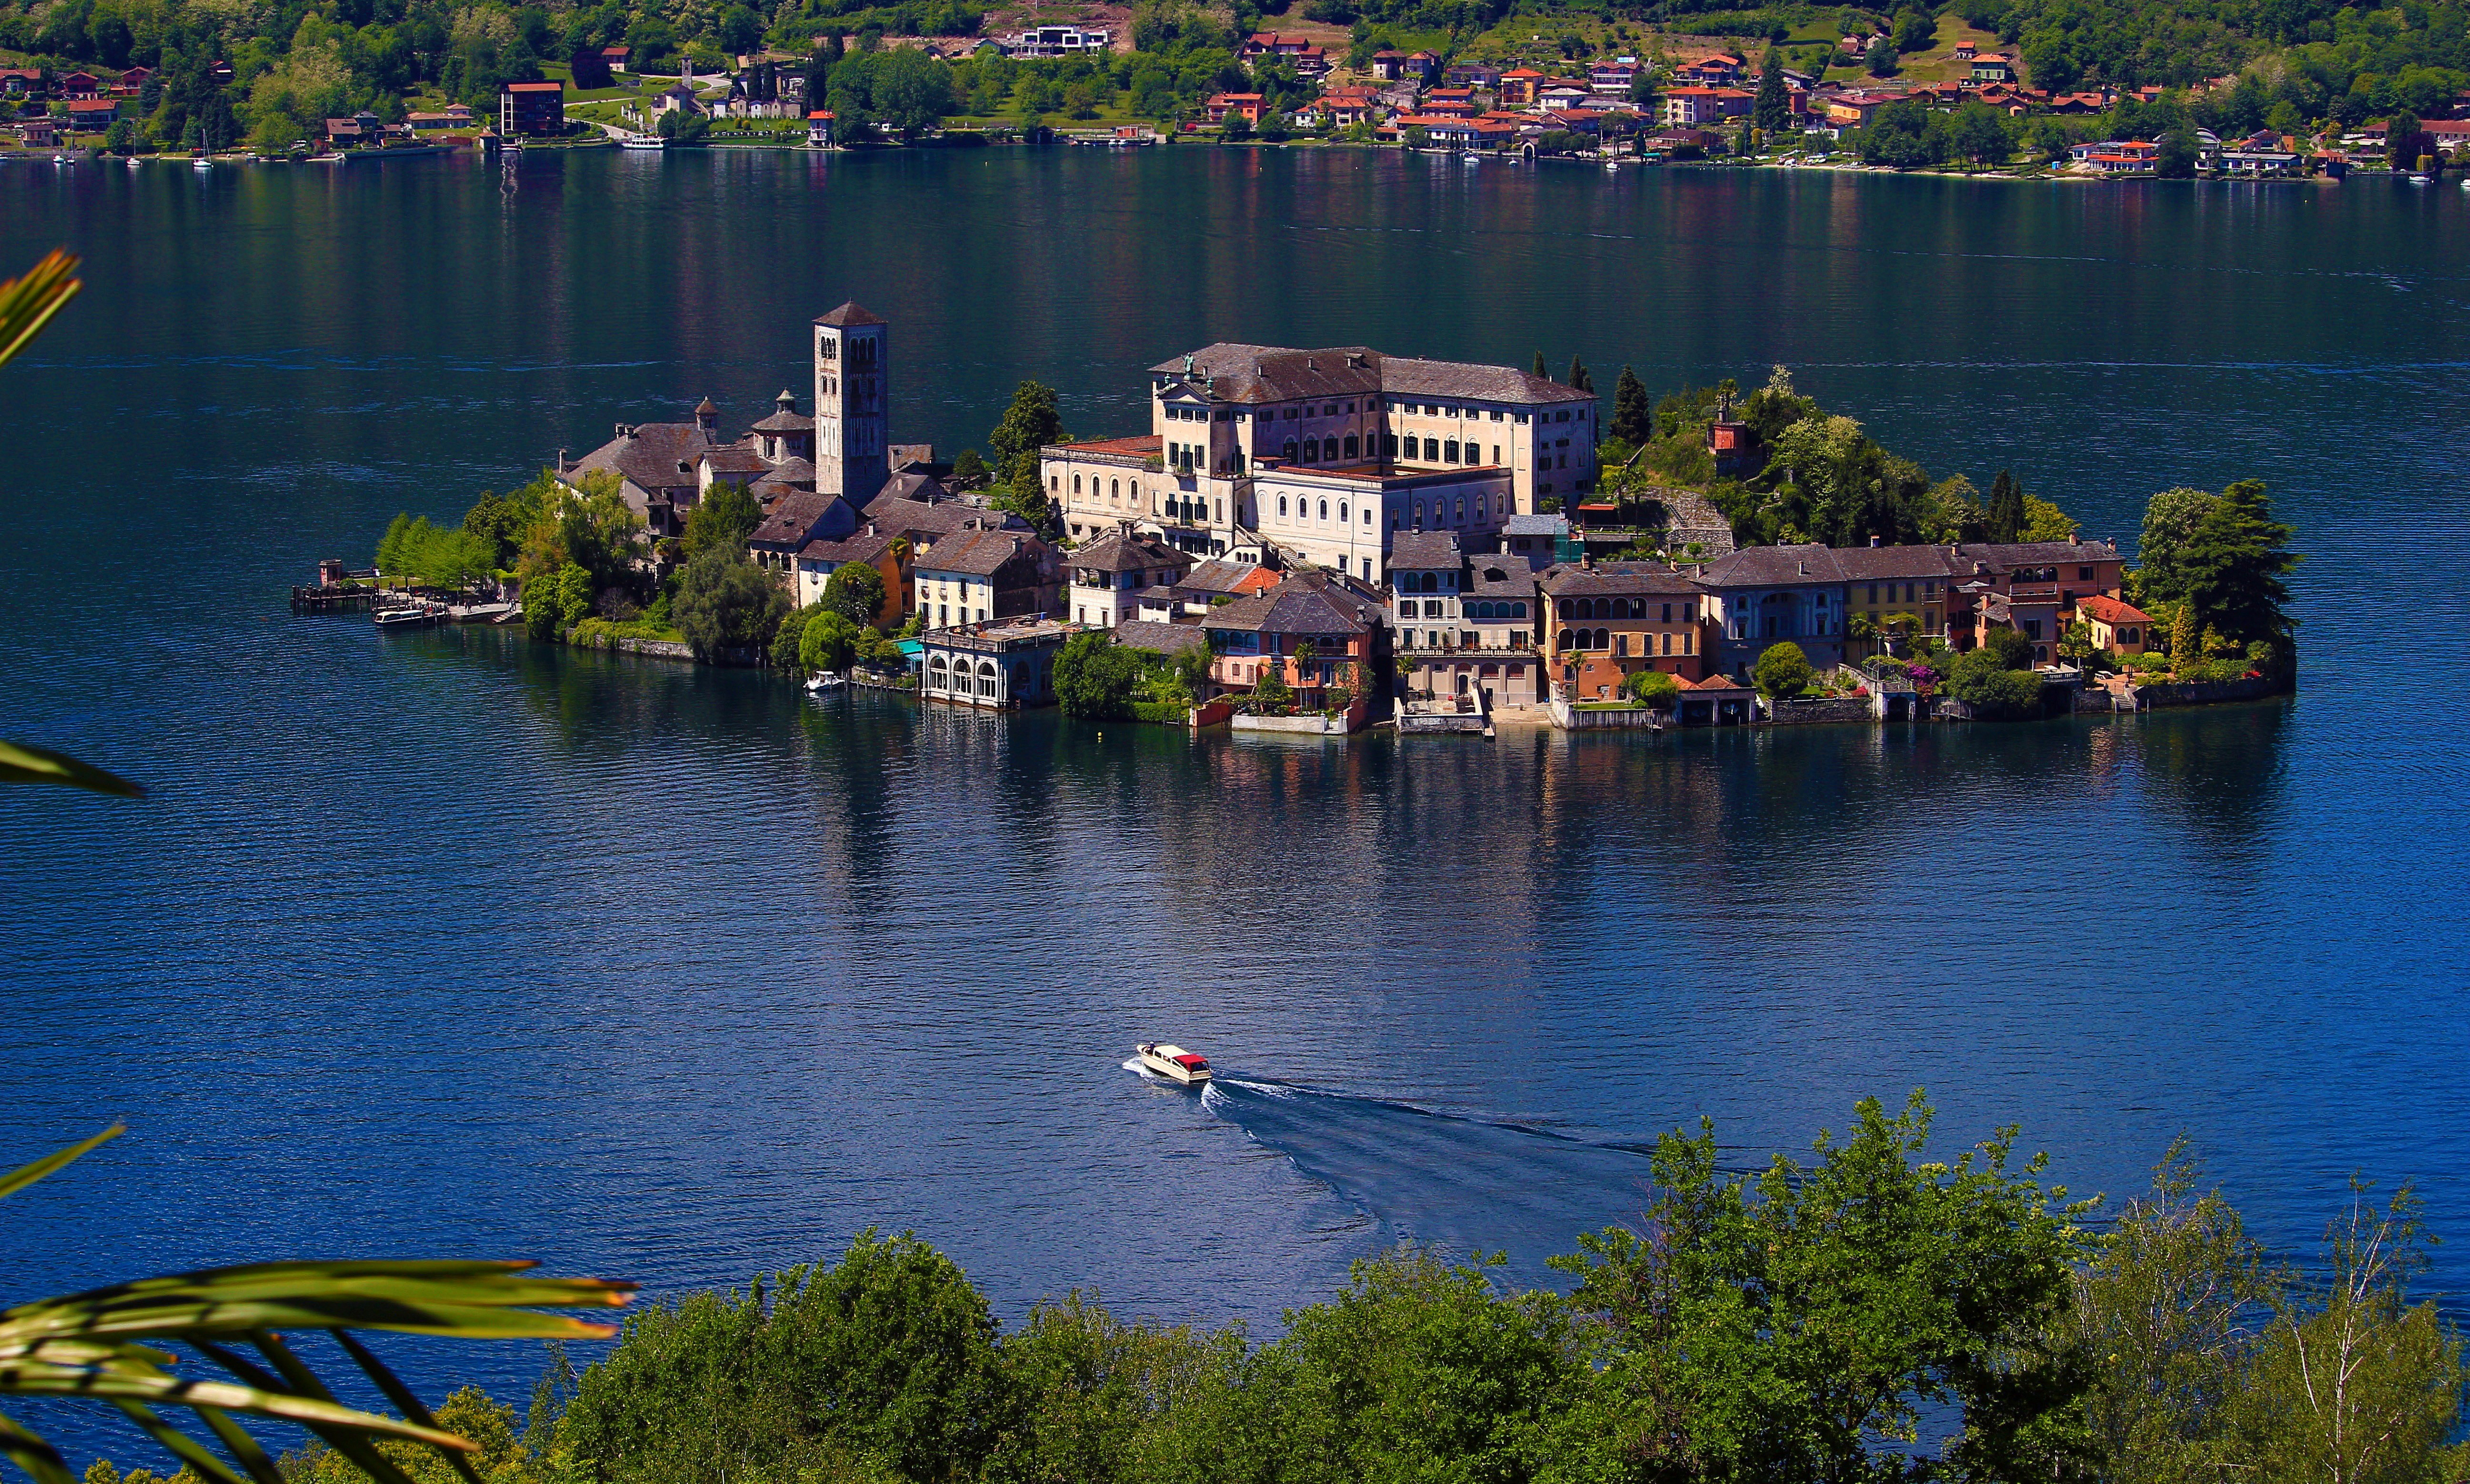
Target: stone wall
2206, 692
1803, 712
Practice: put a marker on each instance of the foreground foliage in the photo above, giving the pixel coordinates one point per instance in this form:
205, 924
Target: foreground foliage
1868, 1314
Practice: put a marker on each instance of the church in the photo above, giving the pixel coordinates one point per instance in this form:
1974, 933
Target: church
813, 476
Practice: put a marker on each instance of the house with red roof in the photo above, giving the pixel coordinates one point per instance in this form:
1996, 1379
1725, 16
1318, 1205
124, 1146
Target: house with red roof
2119, 627
1236, 105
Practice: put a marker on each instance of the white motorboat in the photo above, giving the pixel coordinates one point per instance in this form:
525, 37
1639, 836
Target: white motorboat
1164, 1058
643, 142
823, 681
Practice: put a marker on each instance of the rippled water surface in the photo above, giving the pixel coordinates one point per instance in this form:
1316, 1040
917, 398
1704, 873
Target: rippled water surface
448, 943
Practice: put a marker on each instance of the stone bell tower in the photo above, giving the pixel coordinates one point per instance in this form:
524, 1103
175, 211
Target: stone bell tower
853, 403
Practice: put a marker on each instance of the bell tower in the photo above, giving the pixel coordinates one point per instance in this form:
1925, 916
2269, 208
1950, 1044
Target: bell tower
853, 432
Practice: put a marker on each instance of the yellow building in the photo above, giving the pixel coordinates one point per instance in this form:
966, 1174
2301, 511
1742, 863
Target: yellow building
1887, 585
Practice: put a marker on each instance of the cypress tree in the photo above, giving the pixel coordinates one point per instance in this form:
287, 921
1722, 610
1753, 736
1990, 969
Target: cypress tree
2004, 520
1539, 366
1772, 111
2183, 648
1578, 380
1633, 415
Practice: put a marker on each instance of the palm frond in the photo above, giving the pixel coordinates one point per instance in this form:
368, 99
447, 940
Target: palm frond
20, 763
104, 1345
26, 304
24, 1175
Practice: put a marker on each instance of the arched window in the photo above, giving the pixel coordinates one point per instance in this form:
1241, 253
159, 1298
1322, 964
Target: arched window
1350, 446
1430, 582
1282, 507
1075, 484
1433, 450
1114, 490
1565, 607
1342, 512
1462, 510
1450, 451
1517, 610
1324, 510
989, 685
1291, 450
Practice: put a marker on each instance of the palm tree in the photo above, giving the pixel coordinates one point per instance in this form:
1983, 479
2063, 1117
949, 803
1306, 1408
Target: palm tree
104, 1344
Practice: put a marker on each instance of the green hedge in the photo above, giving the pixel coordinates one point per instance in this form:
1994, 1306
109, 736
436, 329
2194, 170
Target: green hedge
1165, 712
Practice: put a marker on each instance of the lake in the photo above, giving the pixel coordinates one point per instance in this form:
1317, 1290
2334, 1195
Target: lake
446, 943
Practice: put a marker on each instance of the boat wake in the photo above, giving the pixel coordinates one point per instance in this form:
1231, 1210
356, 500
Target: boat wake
1462, 1185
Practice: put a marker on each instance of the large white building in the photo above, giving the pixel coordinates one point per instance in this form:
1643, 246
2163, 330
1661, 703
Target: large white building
1325, 454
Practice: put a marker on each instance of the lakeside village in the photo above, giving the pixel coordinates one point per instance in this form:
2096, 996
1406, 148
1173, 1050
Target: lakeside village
1324, 540
1962, 102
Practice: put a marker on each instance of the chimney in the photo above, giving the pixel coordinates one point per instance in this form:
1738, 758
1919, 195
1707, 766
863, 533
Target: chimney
1804, 568
561, 461
1873, 542
2074, 540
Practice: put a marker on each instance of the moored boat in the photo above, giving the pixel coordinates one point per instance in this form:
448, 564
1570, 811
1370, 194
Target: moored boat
823, 681
1166, 1060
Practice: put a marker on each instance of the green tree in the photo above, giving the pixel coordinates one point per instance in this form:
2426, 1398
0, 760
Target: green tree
829, 641
2234, 563
1633, 413
1979, 678
2170, 520
911, 91
1783, 670
2076, 645
556, 601
1793, 1324
2185, 647
2163, 1315
969, 471
1033, 422
2176, 159
789, 638
888, 1355
2354, 1384
1578, 380
2003, 519
2006, 645
1653, 687
1772, 113
722, 520
1539, 366
1915, 31
1980, 133
724, 603
2403, 143
855, 591
2047, 521
1095, 678
1882, 58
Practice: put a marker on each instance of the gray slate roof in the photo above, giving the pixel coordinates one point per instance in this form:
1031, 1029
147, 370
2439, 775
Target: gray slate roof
1490, 577
1616, 579
1296, 606
850, 313
1430, 551
1216, 575
1536, 525
1881, 563
1119, 552
2034, 553
802, 516
1775, 566
1159, 638
980, 553
860, 548
650, 457
1273, 373
924, 489
921, 522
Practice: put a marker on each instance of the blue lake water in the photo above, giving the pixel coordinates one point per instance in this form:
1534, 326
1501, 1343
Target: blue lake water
446, 943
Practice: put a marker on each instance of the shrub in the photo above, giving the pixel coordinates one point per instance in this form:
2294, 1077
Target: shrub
1653, 687
2014, 651
1094, 677
1783, 670
724, 603
1979, 680
827, 642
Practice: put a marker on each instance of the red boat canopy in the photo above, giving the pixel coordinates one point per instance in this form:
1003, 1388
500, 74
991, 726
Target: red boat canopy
1190, 1061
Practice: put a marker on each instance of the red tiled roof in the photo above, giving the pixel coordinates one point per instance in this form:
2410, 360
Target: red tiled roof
2109, 609
1147, 444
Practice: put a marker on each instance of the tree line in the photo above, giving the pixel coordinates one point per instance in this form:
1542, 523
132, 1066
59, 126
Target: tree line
1876, 1312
